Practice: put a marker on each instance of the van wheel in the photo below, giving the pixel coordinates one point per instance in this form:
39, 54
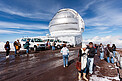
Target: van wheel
35, 49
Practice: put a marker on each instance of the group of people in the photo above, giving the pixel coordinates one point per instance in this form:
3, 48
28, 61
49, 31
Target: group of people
86, 57
49, 46
17, 46
109, 51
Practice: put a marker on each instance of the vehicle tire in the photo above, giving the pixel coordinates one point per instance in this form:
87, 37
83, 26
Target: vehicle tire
58, 47
35, 49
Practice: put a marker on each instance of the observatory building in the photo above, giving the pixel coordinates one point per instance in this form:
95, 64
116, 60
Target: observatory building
67, 25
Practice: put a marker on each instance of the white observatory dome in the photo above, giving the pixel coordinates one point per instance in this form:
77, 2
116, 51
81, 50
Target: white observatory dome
66, 22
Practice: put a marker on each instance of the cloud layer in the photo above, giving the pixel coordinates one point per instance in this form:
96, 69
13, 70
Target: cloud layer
106, 40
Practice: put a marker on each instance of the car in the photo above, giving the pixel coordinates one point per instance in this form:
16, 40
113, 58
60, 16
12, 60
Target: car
35, 43
68, 44
58, 44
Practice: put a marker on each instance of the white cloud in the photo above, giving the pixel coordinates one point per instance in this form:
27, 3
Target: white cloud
38, 11
37, 15
105, 32
21, 32
106, 15
23, 26
101, 28
106, 40
86, 7
7, 32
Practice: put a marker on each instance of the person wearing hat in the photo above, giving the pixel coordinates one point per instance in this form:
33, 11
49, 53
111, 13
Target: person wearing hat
83, 59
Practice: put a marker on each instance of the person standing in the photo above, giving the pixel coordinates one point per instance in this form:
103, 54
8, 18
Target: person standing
19, 46
15, 46
114, 49
65, 53
96, 46
26, 46
83, 59
48, 44
53, 45
101, 48
91, 54
7, 48
109, 54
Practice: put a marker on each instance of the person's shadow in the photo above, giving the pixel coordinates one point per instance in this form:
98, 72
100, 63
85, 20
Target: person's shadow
71, 62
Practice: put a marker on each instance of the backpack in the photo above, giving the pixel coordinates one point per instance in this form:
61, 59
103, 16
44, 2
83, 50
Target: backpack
17, 47
26, 46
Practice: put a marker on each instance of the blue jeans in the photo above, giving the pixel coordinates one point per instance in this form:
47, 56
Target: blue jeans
65, 60
27, 51
102, 55
90, 64
114, 52
96, 51
53, 48
108, 60
15, 50
84, 71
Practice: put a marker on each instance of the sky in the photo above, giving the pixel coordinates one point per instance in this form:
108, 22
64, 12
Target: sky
22, 18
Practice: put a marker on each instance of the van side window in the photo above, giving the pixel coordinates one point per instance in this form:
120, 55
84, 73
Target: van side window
32, 40
51, 40
23, 40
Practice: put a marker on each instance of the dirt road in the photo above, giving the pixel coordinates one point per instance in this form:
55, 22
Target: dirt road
48, 66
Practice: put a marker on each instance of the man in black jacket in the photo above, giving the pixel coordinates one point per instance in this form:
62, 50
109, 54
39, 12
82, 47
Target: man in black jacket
91, 54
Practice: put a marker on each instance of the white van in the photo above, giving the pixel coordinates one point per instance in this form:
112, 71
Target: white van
69, 44
59, 44
35, 43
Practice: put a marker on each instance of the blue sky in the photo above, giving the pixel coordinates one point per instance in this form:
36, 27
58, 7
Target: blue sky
22, 18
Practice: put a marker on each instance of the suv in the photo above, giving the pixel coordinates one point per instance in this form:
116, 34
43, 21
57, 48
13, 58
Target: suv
68, 44
59, 44
35, 43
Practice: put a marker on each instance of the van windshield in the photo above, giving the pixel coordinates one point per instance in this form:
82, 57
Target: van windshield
59, 41
38, 40
65, 42
25, 39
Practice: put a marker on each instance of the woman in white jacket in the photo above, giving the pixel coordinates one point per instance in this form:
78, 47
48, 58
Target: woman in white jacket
83, 59
65, 53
